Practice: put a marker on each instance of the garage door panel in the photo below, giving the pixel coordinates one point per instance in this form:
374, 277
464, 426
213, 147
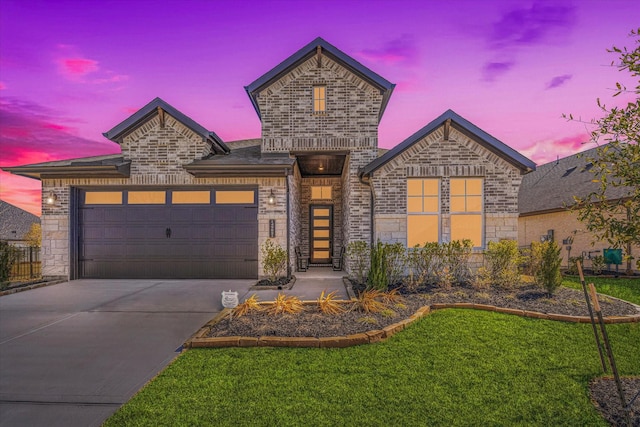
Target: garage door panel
129, 241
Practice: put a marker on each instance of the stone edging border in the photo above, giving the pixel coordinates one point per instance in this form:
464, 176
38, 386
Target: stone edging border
200, 341
29, 287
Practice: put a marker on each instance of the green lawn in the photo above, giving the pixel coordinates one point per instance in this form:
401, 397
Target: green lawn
453, 367
626, 289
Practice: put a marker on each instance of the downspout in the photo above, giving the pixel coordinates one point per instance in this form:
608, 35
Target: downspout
286, 178
371, 201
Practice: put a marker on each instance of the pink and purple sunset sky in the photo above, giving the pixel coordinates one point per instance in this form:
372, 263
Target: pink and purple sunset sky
70, 70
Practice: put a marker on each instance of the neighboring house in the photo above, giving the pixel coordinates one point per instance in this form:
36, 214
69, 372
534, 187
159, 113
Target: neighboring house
178, 202
15, 223
545, 196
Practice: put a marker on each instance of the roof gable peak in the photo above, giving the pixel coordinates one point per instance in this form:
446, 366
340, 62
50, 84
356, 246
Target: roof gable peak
315, 47
157, 107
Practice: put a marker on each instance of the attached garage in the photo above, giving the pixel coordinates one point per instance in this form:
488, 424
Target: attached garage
181, 233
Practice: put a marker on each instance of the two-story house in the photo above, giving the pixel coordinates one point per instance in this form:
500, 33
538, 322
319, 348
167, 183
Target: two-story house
178, 202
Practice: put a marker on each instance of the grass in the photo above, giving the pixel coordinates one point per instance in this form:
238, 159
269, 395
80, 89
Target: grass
626, 289
453, 367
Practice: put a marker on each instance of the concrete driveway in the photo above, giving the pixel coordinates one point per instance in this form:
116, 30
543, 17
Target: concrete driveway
73, 353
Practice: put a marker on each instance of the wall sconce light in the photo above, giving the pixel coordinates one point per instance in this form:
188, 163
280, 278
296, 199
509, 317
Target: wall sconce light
51, 198
272, 198
321, 167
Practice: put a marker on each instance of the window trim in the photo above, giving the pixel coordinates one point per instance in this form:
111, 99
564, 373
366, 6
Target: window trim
319, 100
437, 213
481, 212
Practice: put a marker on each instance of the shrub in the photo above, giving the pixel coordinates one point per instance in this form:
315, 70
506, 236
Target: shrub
456, 256
8, 256
368, 301
286, 304
548, 263
573, 264
358, 253
424, 262
328, 305
377, 277
249, 305
274, 259
597, 264
501, 265
387, 264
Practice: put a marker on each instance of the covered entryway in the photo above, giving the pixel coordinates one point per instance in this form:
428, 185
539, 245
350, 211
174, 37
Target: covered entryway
168, 233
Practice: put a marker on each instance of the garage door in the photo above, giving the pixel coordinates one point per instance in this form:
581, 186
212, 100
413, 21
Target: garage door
168, 234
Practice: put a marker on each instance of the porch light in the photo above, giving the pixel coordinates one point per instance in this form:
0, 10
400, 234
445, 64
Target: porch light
51, 198
272, 198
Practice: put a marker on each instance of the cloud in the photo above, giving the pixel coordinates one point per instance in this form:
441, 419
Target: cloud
531, 25
31, 133
400, 50
559, 81
549, 150
493, 70
2, 86
74, 68
523, 28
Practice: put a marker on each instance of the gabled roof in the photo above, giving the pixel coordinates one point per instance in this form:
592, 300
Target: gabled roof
465, 126
109, 166
15, 222
118, 133
385, 87
553, 185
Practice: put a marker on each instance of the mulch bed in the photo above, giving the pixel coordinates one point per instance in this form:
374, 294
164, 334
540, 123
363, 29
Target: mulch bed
312, 323
604, 395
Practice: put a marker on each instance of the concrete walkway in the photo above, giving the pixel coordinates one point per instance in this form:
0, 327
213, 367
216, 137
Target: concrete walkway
309, 285
71, 354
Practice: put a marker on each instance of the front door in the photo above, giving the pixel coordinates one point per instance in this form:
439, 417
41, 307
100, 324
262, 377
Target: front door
321, 222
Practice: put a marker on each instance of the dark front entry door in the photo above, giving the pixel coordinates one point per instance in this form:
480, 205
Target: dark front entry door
321, 226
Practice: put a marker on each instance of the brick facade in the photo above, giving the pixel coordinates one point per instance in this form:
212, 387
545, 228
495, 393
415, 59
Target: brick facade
171, 141
460, 156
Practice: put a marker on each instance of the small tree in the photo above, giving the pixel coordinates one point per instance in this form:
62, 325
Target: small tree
34, 235
274, 260
7, 259
547, 265
617, 164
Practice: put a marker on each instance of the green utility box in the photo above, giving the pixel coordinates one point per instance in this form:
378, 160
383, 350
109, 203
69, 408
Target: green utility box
612, 256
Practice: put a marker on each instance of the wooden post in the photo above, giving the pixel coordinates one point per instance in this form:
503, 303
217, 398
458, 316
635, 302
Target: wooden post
612, 361
593, 320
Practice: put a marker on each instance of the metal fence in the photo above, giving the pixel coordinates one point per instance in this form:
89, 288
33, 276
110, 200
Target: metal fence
26, 264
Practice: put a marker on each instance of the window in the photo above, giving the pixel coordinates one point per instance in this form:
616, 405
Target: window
191, 197
321, 192
147, 197
103, 198
423, 211
235, 197
466, 210
319, 99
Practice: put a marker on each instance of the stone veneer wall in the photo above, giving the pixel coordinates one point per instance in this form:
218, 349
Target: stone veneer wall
305, 202
145, 172
349, 122
295, 219
460, 156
